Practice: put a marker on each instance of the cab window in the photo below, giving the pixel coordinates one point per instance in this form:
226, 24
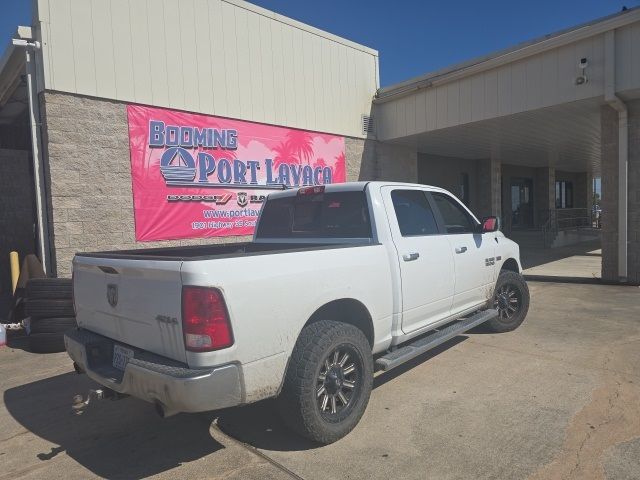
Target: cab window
325, 215
455, 218
413, 213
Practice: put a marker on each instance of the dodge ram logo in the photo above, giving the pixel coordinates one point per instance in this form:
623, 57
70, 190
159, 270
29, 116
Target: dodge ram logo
112, 294
243, 200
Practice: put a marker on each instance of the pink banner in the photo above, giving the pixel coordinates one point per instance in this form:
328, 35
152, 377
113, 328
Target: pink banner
197, 176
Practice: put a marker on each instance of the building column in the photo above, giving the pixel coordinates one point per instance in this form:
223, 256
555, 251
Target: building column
545, 193
589, 201
610, 187
489, 187
609, 168
609, 140
633, 252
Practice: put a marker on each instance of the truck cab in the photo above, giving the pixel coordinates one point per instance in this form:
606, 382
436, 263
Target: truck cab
339, 280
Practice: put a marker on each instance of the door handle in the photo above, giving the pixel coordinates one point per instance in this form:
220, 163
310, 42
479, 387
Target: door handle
409, 257
461, 249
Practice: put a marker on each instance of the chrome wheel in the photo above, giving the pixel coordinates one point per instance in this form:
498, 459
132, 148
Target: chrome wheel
338, 381
507, 301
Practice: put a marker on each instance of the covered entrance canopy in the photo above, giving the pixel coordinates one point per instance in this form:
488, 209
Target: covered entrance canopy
565, 137
539, 154
523, 133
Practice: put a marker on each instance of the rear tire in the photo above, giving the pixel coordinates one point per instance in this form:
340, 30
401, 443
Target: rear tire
52, 325
328, 382
45, 308
511, 299
46, 343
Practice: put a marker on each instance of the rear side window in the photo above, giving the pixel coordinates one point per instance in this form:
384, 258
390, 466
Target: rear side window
455, 218
326, 215
413, 212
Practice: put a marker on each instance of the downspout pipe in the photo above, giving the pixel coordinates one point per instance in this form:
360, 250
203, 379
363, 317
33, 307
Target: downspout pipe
618, 104
38, 171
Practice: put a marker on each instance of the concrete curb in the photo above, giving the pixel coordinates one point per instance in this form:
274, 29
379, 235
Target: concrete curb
559, 279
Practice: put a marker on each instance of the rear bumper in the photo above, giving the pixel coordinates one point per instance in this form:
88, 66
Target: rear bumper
156, 379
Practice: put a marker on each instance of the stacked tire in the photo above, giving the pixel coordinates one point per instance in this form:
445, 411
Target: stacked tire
49, 303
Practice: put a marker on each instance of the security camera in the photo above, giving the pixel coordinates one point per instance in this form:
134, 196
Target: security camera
583, 63
19, 42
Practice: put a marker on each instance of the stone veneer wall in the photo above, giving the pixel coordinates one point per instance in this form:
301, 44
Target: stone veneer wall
446, 172
89, 173
89, 176
373, 160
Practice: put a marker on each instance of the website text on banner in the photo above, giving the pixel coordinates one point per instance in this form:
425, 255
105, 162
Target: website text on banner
197, 176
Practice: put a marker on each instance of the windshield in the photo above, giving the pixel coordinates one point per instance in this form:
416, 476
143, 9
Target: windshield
325, 215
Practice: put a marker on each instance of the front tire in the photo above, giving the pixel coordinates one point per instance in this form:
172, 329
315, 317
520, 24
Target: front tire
511, 299
328, 382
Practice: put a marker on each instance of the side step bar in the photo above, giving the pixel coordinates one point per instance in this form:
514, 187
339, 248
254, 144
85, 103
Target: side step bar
412, 350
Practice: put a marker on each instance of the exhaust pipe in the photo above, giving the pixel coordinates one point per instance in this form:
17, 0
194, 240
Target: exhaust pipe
163, 411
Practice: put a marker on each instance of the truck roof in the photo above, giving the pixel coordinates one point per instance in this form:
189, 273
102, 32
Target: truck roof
353, 187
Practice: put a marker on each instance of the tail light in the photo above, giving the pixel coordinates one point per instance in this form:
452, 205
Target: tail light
311, 190
73, 296
205, 320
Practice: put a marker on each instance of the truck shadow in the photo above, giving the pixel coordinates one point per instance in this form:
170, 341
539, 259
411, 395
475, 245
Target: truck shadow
260, 426
126, 439
123, 439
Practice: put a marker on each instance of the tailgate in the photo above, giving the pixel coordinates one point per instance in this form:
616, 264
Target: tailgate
133, 301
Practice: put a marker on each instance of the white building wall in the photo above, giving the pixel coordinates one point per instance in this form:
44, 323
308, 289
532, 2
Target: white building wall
220, 57
628, 57
537, 81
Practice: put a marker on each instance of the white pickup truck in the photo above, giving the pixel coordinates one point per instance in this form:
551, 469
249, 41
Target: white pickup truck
337, 282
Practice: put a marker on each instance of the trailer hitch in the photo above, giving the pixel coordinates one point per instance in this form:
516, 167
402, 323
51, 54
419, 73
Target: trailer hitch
80, 403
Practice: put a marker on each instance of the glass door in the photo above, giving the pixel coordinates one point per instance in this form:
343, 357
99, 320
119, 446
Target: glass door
521, 202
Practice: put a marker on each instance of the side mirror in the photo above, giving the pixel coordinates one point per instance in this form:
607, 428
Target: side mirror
490, 224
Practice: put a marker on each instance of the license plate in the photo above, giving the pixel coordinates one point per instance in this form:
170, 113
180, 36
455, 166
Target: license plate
121, 356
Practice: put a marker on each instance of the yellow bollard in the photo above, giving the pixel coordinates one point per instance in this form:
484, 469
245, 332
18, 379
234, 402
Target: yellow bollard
15, 270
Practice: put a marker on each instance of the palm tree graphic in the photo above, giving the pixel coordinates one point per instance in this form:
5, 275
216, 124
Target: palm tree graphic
283, 155
301, 144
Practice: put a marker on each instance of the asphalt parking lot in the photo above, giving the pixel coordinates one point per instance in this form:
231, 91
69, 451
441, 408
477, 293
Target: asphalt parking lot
557, 399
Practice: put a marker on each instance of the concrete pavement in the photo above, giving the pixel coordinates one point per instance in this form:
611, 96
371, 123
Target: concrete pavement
557, 399
580, 261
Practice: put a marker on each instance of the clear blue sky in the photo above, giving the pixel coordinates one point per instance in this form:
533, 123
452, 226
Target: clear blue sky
413, 37
416, 37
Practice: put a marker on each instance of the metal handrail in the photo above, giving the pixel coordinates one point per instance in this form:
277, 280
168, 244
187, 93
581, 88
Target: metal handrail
561, 219
547, 227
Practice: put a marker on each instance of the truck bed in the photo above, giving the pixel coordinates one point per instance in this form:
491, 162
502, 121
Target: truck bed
134, 297
207, 252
